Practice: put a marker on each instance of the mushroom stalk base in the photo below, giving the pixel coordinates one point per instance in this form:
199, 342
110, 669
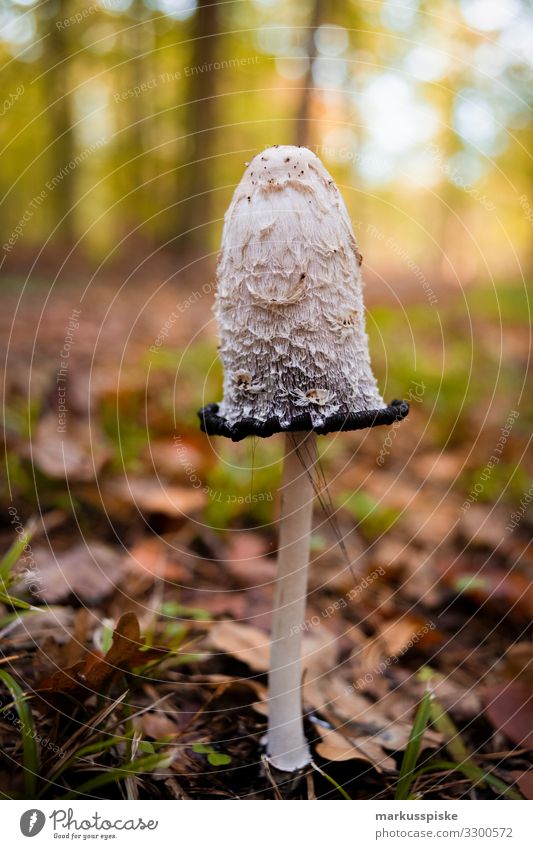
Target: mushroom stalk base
286, 743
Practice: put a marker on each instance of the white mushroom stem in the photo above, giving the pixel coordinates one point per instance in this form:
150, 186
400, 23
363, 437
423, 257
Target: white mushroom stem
286, 743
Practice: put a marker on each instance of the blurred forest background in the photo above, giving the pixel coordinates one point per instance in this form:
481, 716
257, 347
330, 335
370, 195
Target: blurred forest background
418, 109
125, 126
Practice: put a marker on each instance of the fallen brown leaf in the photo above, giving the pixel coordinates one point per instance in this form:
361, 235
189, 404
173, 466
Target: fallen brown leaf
95, 671
517, 663
30, 630
509, 708
77, 454
335, 746
483, 525
406, 632
152, 496
172, 458
152, 558
158, 725
440, 467
248, 644
90, 570
251, 645
246, 562
492, 586
525, 782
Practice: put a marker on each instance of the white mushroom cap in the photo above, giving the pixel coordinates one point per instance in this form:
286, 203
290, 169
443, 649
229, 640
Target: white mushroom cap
290, 308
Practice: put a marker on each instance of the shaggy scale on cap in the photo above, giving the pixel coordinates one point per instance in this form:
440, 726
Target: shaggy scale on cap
290, 308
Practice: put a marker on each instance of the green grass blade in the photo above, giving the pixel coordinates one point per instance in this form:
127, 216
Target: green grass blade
27, 730
452, 739
142, 765
16, 602
410, 757
500, 785
442, 721
13, 555
477, 775
454, 743
332, 781
92, 749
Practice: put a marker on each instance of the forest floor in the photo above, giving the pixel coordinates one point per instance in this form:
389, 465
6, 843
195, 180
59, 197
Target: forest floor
136, 591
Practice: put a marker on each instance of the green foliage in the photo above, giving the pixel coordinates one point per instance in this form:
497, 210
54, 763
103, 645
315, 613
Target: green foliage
9, 574
508, 304
18, 480
410, 756
181, 611
194, 377
235, 490
441, 367
450, 354
145, 764
107, 742
508, 480
431, 712
123, 425
28, 733
21, 414
374, 519
475, 774
12, 556
213, 757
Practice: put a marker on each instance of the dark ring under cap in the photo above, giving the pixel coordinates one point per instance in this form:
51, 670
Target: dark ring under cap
215, 425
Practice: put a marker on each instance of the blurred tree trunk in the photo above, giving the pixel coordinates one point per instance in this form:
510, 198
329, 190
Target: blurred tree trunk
195, 181
139, 162
56, 83
303, 133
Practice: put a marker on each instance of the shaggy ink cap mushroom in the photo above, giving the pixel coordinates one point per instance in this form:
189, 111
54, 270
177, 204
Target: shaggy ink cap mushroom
290, 308
295, 354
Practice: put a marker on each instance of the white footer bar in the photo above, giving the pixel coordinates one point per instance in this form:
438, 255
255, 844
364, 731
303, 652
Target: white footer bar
229, 824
